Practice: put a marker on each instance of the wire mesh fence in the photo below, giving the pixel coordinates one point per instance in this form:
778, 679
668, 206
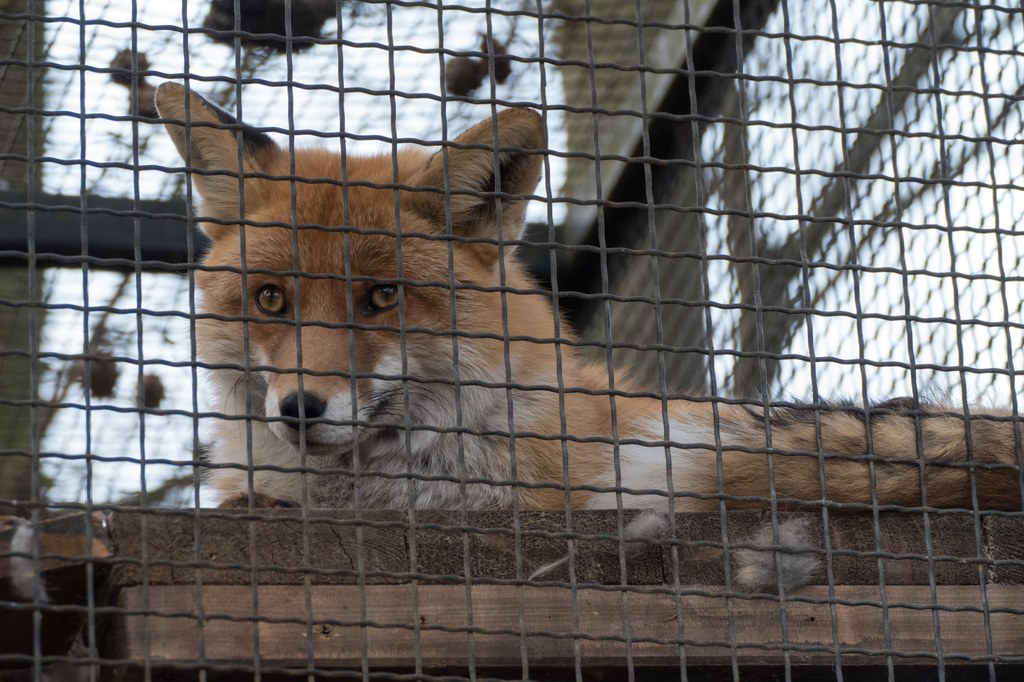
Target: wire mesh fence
388, 339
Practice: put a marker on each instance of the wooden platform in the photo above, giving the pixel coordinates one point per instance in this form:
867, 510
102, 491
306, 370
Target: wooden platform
539, 596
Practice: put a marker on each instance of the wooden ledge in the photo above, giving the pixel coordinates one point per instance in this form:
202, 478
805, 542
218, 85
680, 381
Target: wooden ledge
342, 547
229, 592
445, 592
398, 626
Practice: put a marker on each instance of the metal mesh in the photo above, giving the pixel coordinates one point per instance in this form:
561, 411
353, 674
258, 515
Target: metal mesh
771, 242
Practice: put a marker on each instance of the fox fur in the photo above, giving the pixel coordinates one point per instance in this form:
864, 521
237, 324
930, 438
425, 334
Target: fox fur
404, 358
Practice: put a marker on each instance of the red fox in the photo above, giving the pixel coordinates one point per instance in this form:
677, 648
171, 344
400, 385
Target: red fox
374, 342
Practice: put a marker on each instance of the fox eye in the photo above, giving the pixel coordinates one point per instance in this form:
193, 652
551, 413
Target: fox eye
270, 299
383, 297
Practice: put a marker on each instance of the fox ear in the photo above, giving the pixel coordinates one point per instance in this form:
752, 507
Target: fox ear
208, 140
515, 138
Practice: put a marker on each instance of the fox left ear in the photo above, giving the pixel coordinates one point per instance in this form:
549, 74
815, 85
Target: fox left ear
512, 144
208, 140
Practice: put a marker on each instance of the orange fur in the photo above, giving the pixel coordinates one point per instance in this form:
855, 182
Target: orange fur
465, 391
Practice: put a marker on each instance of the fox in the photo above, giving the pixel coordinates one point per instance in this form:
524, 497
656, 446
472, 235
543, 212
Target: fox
373, 341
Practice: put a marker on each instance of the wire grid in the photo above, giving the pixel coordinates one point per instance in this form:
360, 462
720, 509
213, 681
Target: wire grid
865, 157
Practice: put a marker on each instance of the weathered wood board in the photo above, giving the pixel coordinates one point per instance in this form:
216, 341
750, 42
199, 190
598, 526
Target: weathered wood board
438, 626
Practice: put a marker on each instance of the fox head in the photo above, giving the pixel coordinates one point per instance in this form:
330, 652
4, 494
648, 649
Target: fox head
346, 296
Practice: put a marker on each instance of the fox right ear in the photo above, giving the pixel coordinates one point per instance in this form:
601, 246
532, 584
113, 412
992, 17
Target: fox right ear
510, 146
208, 140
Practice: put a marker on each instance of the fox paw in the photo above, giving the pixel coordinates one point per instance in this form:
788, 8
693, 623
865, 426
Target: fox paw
259, 501
793, 563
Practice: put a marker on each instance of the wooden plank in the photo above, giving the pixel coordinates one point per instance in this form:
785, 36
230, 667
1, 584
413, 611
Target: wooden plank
161, 625
58, 542
279, 547
1004, 544
44, 570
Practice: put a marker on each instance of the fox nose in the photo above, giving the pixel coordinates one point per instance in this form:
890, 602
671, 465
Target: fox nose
312, 405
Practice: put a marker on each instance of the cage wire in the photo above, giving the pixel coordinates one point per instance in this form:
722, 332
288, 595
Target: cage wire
753, 220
